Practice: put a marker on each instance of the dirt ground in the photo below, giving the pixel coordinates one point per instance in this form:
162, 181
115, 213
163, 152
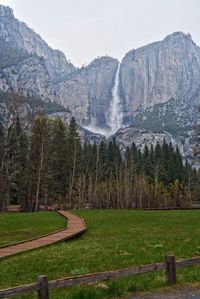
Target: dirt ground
178, 292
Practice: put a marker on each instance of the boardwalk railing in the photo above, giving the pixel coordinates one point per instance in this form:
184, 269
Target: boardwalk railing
42, 286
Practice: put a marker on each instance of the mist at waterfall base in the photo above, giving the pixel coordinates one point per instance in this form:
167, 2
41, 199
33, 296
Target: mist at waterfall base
114, 122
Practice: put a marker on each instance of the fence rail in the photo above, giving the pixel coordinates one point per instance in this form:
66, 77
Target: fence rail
42, 286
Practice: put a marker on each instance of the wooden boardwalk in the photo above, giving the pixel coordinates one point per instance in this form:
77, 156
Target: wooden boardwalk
75, 227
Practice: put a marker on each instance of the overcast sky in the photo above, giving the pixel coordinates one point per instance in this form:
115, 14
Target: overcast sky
85, 29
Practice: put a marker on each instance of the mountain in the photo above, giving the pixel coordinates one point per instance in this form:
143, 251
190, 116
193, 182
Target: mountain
28, 64
21, 37
160, 90
152, 94
27, 73
88, 92
157, 72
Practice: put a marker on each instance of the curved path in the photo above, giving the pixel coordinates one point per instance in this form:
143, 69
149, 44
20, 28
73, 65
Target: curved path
75, 227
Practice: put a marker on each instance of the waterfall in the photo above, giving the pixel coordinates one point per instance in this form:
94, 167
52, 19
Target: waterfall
115, 119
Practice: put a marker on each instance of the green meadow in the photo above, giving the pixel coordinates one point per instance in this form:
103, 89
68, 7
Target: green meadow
114, 239
16, 227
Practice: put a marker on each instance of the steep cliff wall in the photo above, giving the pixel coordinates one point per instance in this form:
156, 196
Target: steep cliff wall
88, 92
20, 36
159, 84
160, 71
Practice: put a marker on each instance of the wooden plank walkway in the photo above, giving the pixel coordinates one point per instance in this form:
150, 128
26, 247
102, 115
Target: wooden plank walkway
75, 227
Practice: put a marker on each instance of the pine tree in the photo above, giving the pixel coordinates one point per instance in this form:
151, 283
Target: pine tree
196, 149
40, 153
1, 143
147, 166
74, 153
59, 162
50, 166
179, 165
18, 158
3, 169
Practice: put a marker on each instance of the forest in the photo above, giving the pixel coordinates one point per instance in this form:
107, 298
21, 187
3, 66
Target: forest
43, 162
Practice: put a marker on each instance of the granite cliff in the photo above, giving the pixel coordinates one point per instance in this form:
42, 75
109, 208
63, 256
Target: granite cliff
158, 85
158, 72
88, 92
20, 36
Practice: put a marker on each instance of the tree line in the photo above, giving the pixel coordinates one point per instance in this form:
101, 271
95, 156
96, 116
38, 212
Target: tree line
43, 162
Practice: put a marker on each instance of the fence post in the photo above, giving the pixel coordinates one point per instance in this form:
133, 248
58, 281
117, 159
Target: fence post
170, 269
43, 292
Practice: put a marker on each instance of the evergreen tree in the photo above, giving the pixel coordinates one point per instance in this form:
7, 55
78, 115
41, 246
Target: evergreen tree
74, 153
49, 165
147, 166
40, 153
59, 162
18, 156
1, 143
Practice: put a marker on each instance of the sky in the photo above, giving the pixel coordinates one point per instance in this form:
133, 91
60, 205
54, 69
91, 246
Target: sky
86, 29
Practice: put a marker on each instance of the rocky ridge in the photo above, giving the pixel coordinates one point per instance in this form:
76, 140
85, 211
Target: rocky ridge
88, 92
160, 71
159, 84
20, 36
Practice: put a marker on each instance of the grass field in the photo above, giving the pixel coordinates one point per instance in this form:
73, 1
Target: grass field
15, 227
115, 239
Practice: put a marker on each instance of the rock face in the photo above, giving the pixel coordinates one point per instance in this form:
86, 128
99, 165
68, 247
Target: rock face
158, 72
159, 84
28, 64
30, 76
20, 36
88, 92
125, 136
160, 91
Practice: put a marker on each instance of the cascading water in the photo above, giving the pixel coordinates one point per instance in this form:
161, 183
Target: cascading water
115, 119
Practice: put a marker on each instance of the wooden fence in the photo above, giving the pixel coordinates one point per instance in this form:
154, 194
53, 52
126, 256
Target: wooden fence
42, 286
